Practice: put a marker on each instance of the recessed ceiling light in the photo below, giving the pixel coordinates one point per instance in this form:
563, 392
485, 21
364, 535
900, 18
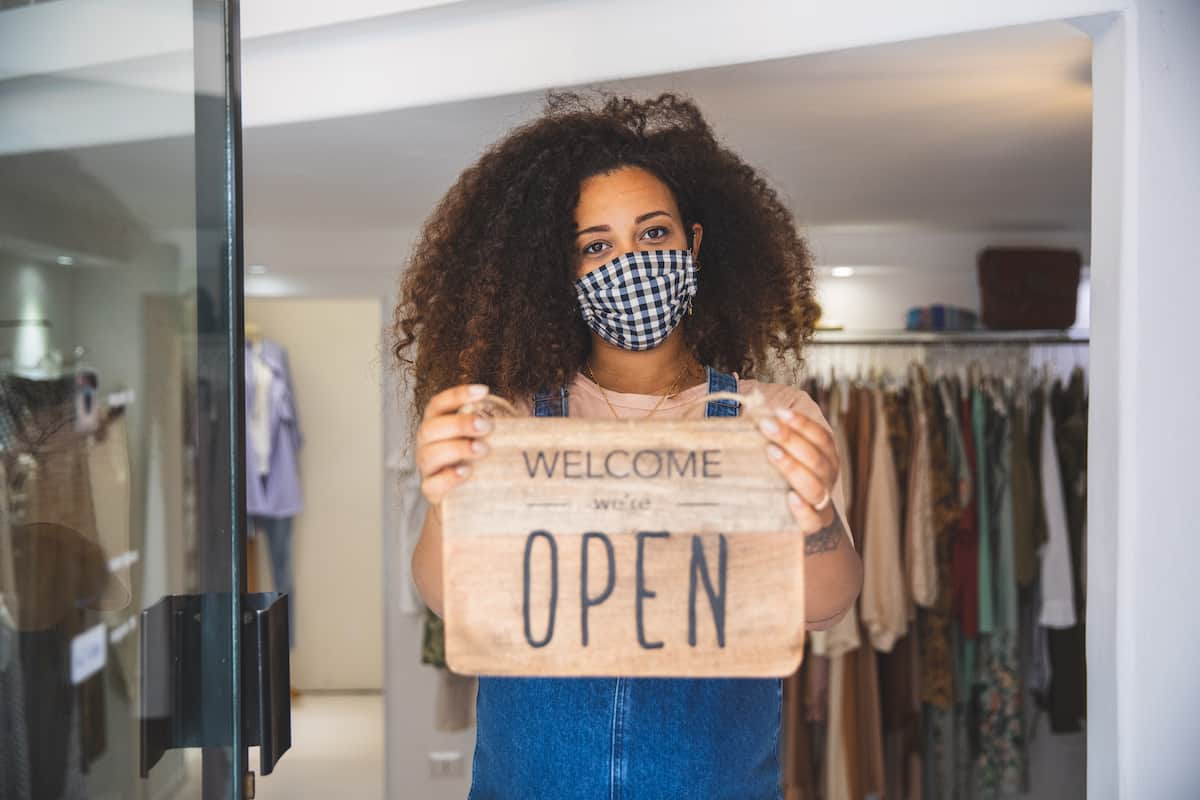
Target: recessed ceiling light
257, 269
66, 261
843, 272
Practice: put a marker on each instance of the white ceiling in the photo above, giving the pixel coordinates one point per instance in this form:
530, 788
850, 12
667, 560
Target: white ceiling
990, 129
982, 131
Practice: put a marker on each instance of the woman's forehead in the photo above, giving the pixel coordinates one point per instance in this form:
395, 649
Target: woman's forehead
627, 192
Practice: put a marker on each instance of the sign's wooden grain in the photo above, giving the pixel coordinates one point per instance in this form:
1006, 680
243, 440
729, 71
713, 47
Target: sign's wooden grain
623, 547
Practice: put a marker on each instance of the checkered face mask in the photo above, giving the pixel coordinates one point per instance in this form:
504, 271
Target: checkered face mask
636, 300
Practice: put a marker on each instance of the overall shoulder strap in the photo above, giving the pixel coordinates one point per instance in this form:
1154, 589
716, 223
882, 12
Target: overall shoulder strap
720, 382
551, 403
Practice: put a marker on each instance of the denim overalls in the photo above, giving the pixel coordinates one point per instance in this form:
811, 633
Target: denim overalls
628, 738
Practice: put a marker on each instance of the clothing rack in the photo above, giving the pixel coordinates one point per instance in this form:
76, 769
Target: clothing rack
951, 338
883, 352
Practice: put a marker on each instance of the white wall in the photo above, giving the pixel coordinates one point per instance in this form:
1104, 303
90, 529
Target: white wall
332, 345
1143, 542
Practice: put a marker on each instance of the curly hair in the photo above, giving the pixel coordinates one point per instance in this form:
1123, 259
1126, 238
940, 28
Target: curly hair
487, 295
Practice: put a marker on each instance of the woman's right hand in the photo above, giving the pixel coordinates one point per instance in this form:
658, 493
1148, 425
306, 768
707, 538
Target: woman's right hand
447, 441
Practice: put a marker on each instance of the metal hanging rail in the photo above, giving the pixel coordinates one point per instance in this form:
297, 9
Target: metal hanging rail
952, 338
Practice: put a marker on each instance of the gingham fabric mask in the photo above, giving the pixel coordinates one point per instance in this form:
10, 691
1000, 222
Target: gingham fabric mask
636, 300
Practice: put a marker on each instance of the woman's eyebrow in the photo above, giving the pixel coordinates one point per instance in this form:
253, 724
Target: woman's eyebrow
638, 221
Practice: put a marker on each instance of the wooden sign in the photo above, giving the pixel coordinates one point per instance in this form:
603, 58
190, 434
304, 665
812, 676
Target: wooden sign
623, 548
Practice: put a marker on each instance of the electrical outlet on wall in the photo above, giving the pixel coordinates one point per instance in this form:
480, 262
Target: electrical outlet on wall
446, 764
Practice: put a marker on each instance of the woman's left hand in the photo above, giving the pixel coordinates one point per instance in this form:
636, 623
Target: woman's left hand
804, 452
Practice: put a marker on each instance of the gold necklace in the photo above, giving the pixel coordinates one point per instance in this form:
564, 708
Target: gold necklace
670, 390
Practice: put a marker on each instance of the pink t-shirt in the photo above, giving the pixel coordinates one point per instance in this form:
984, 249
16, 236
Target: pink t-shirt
586, 400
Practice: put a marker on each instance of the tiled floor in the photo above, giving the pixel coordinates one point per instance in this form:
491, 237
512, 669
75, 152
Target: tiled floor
337, 751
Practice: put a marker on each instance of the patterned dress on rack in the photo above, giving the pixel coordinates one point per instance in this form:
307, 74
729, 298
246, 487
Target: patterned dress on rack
999, 766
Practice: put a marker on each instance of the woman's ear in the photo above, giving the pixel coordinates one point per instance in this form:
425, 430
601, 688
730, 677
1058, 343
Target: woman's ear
694, 237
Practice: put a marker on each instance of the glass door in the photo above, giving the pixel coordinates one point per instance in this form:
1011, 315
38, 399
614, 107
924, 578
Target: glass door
125, 636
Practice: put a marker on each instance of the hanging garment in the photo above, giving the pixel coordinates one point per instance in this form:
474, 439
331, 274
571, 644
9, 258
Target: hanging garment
1067, 691
1002, 433
999, 766
1034, 655
837, 405
919, 537
964, 554
899, 695
985, 593
937, 753
897, 412
798, 767
937, 675
844, 635
1035, 417
858, 694
454, 701
258, 418
935, 623
900, 709
962, 466
966, 560
884, 604
816, 688
280, 494
966, 632
1023, 496
1058, 585
839, 765
404, 519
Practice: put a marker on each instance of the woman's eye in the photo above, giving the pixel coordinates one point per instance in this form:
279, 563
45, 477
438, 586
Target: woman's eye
593, 248
658, 230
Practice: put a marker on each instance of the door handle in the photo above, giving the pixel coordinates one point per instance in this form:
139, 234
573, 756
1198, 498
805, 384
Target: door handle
184, 692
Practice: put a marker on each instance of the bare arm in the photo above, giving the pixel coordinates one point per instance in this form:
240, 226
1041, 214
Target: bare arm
447, 443
803, 449
833, 575
427, 561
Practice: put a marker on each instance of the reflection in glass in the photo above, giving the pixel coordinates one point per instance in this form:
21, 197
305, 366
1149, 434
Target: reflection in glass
114, 347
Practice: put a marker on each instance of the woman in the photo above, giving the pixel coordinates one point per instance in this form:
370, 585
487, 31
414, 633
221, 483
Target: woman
614, 260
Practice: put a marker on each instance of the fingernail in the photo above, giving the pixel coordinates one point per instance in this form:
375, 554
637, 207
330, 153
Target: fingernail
477, 390
479, 447
774, 452
482, 424
462, 470
768, 426
784, 413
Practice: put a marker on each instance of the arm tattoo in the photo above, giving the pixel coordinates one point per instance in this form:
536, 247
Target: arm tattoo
825, 539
